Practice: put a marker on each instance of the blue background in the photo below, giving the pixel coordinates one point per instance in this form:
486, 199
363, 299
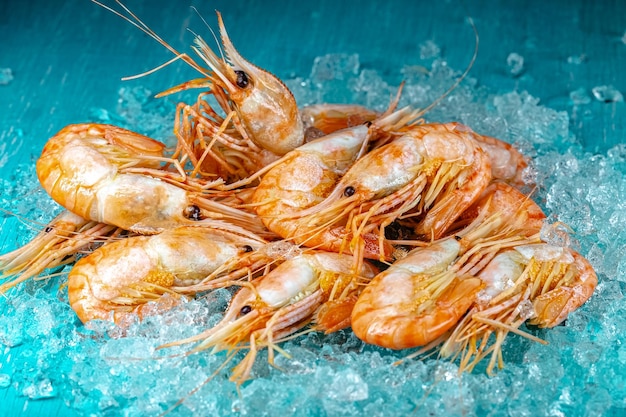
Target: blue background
67, 58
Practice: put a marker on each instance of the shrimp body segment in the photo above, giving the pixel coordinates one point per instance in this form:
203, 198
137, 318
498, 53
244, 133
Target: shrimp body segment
563, 280
91, 170
116, 280
416, 300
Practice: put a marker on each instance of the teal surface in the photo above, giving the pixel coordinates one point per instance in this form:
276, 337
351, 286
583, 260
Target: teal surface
67, 59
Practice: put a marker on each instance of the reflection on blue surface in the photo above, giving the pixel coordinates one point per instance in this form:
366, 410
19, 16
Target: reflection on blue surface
66, 62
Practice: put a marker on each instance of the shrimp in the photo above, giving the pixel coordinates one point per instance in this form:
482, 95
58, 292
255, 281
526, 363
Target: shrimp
279, 304
304, 177
431, 171
536, 283
116, 281
425, 294
95, 171
65, 236
262, 119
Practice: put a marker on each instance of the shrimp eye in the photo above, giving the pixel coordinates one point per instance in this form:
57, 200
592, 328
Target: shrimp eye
48, 229
242, 79
245, 310
457, 237
193, 212
349, 190
368, 123
247, 248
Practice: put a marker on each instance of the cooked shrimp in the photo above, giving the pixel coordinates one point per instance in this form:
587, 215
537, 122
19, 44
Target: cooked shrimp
416, 300
117, 280
431, 171
306, 176
538, 283
56, 245
280, 303
420, 297
95, 171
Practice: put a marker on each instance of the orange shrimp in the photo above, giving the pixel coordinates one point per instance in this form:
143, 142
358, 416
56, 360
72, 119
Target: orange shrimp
279, 304
432, 172
536, 283
304, 177
95, 171
422, 296
116, 281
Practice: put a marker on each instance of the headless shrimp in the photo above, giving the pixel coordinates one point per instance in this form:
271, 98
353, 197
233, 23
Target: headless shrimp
56, 245
91, 170
280, 303
306, 176
116, 281
422, 296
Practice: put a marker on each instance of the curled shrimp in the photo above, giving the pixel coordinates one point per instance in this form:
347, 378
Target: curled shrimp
431, 172
304, 178
116, 281
56, 245
280, 303
96, 171
425, 294
536, 283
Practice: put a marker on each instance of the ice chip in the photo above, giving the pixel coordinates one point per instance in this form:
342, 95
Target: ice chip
557, 234
607, 94
515, 64
281, 249
580, 96
348, 385
335, 67
39, 389
6, 76
429, 50
5, 380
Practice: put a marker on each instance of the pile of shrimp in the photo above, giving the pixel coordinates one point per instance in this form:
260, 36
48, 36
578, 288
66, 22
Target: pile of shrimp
323, 218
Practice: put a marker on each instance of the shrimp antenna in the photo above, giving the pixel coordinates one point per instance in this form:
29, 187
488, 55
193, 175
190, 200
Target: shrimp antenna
463, 76
217, 42
139, 24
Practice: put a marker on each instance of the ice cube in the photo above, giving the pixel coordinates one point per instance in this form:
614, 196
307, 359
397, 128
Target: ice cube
515, 64
607, 94
6, 76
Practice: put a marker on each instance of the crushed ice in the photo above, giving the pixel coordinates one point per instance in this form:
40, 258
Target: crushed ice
581, 372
